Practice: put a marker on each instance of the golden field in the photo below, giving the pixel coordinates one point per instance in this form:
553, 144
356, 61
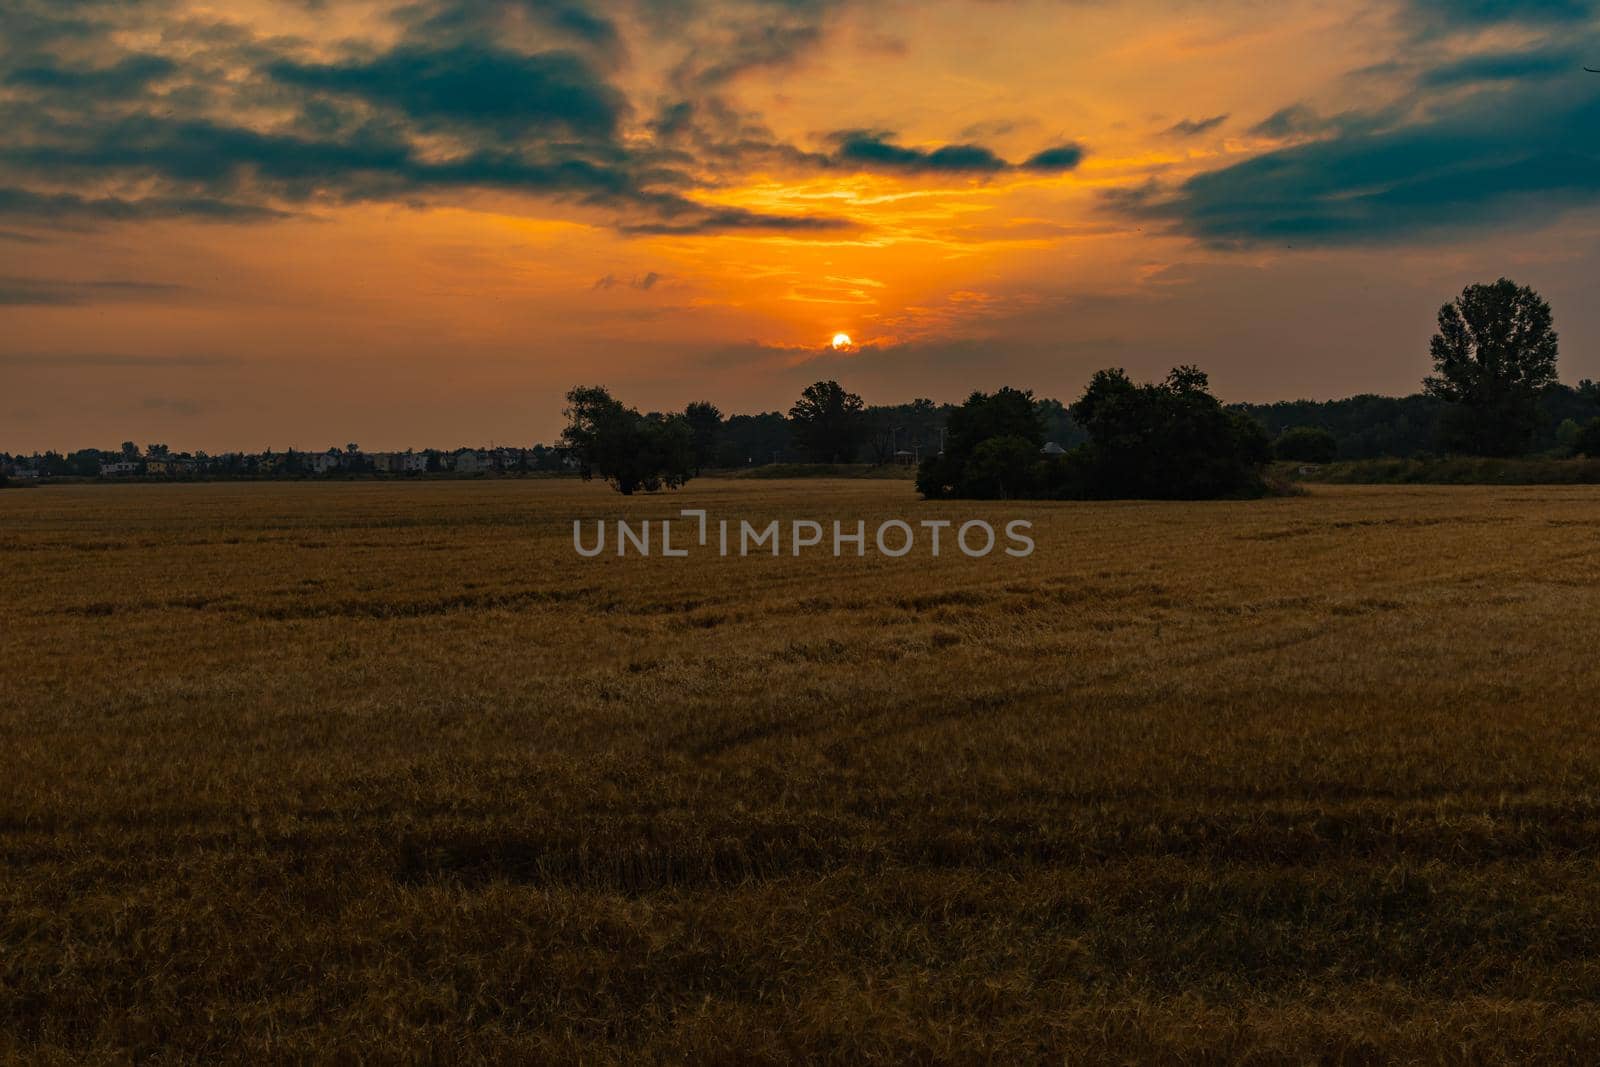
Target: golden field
386, 771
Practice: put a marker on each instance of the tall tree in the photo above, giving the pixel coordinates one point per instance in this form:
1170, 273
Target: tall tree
1493, 356
705, 427
828, 423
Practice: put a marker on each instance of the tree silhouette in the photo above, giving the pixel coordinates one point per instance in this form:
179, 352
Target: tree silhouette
705, 427
828, 423
629, 450
1494, 354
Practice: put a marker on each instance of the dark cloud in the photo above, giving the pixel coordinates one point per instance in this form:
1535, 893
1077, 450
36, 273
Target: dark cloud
1061, 157
1448, 15
875, 150
433, 20
67, 209
463, 102
1195, 127
475, 85
129, 75
1502, 66
1527, 153
737, 220
871, 150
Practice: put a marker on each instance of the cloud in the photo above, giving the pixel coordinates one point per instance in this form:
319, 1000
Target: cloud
875, 151
68, 208
129, 75
246, 128
869, 150
433, 20
1529, 152
1061, 157
1436, 16
1195, 127
1502, 66
475, 85
48, 292
756, 47
738, 220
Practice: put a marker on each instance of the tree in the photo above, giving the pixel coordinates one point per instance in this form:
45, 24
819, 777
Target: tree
705, 429
629, 450
1171, 441
1306, 444
828, 423
1494, 354
130, 450
992, 444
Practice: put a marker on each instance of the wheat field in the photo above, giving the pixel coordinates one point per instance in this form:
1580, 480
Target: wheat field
385, 771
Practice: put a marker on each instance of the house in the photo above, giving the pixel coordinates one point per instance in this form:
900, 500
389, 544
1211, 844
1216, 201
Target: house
468, 461
412, 462
323, 462
383, 462
120, 468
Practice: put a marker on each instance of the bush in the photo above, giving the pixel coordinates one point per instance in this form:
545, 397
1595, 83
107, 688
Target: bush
1587, 441
1306, 444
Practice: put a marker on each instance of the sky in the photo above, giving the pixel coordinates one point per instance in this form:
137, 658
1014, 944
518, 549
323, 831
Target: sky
302, 223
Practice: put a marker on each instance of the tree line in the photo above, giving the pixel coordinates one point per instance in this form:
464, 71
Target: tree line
1494, 392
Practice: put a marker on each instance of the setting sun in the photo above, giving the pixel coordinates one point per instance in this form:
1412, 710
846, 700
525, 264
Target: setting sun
841, 341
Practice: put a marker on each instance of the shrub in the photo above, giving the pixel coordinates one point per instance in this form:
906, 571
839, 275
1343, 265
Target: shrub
1587, 441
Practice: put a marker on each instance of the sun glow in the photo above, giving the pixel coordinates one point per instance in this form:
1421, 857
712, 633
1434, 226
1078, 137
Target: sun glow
841, 341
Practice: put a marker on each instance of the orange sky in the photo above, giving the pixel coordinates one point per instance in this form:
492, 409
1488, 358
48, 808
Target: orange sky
1281, 193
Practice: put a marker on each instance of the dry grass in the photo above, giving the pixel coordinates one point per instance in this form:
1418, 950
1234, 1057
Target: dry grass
327, 771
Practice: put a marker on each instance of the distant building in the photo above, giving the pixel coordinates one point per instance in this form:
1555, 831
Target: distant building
468, 461
169, 465
323, 462
119, 468
411, 462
